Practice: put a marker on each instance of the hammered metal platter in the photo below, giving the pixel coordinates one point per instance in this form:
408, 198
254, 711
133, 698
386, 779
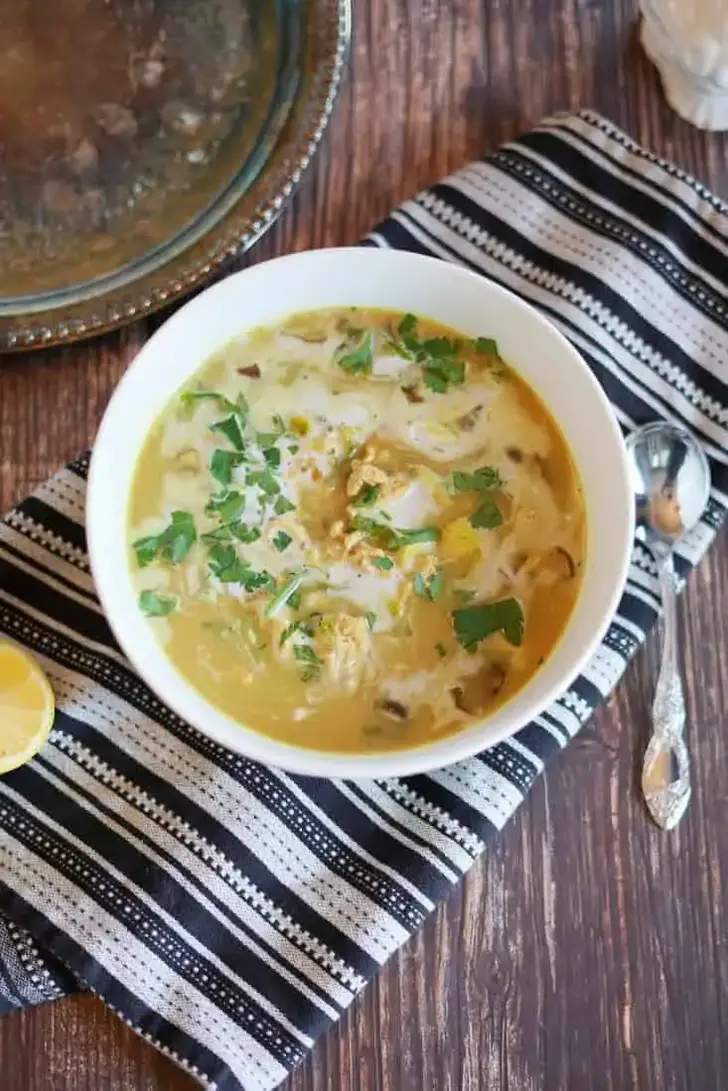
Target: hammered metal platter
145, 142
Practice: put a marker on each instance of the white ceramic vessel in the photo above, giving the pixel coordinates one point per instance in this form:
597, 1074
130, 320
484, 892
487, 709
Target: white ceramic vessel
687, 40
401, 281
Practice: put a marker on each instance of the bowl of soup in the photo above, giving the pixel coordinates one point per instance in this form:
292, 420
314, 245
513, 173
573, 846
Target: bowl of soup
358, 513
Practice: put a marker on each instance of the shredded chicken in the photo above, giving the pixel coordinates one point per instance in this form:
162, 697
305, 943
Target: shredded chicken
364, 473
355, 545
344, 644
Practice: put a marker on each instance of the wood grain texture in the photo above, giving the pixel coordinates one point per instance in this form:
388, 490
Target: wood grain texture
587, 950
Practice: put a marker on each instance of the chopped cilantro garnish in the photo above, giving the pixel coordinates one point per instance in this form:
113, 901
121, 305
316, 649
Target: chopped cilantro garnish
244, 533
487, 346
440, 649
173, 544
391, 537
412, 537
300, 626
487, 515
485, 479
230, 428
294, 449
283, 505
239, 407
223, 463
312, 664
282, 541
371, 619
475, 623
360, 359
226, 505
278, 423
152, 604
265, 480
385, 563
294, 600
429, 587
367, 496
227, 567
221, 534
438, 356
272, 456
284, 595
266, 439
439, 374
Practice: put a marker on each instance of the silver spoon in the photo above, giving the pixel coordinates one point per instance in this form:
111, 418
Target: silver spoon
671, 481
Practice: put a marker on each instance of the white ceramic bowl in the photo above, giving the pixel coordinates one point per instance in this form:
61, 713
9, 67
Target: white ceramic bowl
377, 278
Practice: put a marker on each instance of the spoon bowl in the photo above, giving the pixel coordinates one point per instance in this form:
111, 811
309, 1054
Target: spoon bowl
670, 476
671, 480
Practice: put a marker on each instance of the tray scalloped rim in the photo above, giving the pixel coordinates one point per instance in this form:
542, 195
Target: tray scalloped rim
330, 31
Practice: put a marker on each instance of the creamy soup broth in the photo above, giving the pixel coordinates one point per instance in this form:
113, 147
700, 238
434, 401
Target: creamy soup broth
358, 530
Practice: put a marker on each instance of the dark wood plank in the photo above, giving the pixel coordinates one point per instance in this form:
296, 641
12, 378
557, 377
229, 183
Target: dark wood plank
586, 949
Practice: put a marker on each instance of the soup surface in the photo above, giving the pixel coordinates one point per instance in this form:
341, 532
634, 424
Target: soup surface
358, 530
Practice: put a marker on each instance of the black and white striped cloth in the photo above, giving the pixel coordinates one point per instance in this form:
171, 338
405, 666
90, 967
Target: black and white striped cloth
228, 912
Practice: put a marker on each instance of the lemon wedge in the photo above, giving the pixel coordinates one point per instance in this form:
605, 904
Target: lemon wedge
26, 706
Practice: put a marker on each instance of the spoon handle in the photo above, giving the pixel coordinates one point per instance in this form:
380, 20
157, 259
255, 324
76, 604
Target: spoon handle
666, 768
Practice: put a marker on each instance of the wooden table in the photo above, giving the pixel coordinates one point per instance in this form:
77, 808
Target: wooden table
587, 951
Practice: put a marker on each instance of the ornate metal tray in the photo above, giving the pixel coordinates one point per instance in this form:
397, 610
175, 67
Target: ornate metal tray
143, 143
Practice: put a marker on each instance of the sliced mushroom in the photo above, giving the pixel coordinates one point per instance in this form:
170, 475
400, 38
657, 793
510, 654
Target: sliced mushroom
252, 371
468, 420
412, 395
188, 461
515, 454
305, 329
395, 709
559, 564
475, 693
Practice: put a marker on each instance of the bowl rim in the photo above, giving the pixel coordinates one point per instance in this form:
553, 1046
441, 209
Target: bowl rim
268, 750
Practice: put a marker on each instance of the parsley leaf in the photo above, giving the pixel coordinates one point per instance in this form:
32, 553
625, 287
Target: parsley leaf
265, 480
487, 346
371, 619
282, 541
406, 330
367, 496
272, 456
412, 537
230, 428
283, 505
391, 537
152, 604
385, 563
284, 595
438, 356
223, 463
429, 588
227, 567
189, 399
226, 505
473, 624
487, 515
360, 360
266, 439
172, 545
486, 479
299, 626
438, 375
244, 533
312, 664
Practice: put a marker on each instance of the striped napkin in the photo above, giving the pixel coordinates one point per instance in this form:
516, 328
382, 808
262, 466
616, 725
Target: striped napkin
229, 912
